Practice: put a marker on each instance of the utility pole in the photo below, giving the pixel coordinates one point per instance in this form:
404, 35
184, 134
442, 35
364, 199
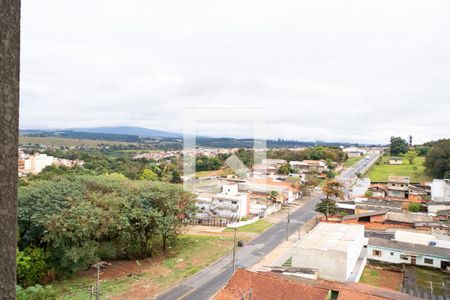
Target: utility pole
234, 250
97, 266
287, 223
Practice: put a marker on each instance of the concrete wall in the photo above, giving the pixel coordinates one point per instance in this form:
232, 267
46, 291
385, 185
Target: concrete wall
9, 129
331, 265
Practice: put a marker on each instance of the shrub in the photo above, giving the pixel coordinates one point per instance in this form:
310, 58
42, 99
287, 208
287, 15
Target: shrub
35, 292
32, 266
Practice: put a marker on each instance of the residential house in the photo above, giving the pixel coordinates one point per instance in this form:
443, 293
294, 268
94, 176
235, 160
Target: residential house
395, 252
417, 193
274, 162
309, 166
398, 187
245, 284
395, 161
377, 190
338, 245
354, 152
286, 191
436, 240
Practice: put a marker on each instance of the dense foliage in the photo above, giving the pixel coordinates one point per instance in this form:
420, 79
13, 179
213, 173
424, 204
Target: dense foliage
398, 146
437, 162
76, 220
314, 153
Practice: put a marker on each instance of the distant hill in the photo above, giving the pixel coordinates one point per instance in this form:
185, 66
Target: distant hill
129, 130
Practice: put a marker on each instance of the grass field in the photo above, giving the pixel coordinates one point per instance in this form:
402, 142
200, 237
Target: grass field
190, 254
55, 141
381, 278
382, 171
257, 227
351, 161
220, 172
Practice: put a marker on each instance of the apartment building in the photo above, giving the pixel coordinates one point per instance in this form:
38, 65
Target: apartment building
230, 204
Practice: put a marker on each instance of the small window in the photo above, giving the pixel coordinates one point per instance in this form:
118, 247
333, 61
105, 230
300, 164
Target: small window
428, 261
404, 257
392, 253
234, 202
376, 253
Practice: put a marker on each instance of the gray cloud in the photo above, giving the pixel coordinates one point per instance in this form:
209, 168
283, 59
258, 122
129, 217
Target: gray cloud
322, 70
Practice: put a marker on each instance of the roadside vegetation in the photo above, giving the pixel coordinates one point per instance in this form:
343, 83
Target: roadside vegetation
351, 161
256, 227
149, 277
70, 222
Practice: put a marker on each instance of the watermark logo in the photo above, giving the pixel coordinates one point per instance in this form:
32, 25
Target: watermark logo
199, 119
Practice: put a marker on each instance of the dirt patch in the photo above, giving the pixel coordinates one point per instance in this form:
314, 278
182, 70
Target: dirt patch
382, 278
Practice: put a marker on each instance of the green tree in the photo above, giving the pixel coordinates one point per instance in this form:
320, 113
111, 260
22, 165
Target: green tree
285, 169
423, 150
327, 207
437, 162
273, 196
415, 207
398, 146
411, 155
148, 174
176, 177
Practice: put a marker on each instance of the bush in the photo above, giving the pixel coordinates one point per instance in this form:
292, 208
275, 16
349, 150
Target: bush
415, 207
35, 292
32, 266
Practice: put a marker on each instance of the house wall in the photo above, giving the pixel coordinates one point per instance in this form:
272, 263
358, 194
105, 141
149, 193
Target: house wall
394, 258
331, 265
378, 219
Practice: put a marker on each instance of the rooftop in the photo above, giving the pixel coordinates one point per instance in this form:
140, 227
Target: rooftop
328, 236
367, 214
399, 179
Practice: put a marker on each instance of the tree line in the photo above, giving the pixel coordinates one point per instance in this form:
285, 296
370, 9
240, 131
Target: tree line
69, 223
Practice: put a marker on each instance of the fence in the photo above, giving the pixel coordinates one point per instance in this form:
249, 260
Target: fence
216, 223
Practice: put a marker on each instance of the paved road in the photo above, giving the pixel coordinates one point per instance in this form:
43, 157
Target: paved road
210, 280
207, 282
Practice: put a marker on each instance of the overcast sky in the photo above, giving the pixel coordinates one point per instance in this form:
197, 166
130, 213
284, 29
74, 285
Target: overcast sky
355, 71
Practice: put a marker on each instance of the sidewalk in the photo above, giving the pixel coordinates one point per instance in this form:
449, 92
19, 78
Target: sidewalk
279, 255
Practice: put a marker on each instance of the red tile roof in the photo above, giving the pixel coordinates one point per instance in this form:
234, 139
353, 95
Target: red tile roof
266, 286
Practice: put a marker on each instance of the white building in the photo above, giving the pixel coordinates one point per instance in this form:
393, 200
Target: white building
335, 251
229, 204
394, 252
37, 162
440, 190
354, 152
360, 188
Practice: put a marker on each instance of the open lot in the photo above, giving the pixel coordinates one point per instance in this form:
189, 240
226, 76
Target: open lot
382, 171
55, 141
149, 277
382, 278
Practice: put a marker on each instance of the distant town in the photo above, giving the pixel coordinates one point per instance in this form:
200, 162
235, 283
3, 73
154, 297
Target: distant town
339, 222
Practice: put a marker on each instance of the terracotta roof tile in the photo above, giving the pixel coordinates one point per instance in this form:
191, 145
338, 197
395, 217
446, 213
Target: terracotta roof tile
266, 286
